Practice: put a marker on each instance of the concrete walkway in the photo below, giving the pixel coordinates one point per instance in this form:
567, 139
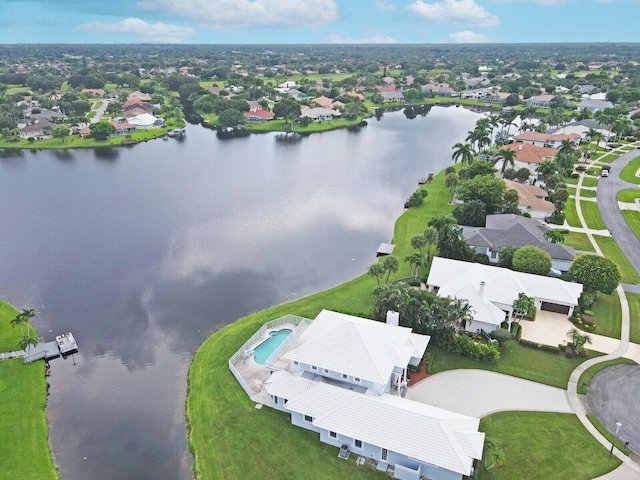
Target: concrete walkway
478, 393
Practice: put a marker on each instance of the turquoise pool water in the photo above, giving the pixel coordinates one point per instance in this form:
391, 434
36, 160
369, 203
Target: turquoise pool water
266, 348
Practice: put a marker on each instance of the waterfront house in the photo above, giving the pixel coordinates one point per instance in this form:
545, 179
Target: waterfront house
508, 229
320, 114
342, 377
492, 290
529, 156
532, 200
258, 116
540, 139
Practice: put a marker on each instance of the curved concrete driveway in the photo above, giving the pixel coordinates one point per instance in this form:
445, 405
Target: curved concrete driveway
479, 392
610, 211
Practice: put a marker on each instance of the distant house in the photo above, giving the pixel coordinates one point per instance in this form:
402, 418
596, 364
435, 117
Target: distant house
295, 94
96, 92
532, 200
357, 95
530, 156
441, 90
38, 129
395, 96
320, 114
258, 116
594, 105
146, 121
491, 290
139, 104
144, 97
541, 101
122, 128
519, 231
546, 139
323, 101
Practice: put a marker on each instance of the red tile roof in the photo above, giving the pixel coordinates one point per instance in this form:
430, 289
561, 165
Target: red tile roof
259, 113
529, 153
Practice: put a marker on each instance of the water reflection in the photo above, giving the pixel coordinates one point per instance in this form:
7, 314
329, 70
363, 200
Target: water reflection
110, 154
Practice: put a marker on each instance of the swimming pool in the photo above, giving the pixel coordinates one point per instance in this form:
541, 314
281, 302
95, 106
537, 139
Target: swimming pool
266, 348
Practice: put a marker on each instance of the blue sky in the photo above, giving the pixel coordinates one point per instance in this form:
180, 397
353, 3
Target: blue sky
318, 21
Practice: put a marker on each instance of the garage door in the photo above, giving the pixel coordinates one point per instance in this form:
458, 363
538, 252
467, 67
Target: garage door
555, 307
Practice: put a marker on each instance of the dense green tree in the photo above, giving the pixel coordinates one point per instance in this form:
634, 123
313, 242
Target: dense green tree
478, 167
530, 259
418, 242
554, 236
595, 273
231, 117
61, 132
101, 130
523, 307
472, 213
486, 188
451, 244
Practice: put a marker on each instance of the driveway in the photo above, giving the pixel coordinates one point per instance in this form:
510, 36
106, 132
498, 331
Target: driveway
478, 393
610, 211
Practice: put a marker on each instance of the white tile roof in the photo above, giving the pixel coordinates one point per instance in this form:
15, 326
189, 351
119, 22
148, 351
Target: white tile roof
357, 347
501, 284
428, 434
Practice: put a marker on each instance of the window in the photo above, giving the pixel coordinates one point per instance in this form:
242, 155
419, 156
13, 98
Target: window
384, 455
344, 375
356, 379
326, 370
308, 418
357, 443
295, 362
275, 399
333, 434
313, 367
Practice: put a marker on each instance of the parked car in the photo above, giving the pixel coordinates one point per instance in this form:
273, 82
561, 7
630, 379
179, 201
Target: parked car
605, 173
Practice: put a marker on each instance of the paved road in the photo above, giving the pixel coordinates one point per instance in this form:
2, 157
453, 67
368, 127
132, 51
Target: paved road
610, 212
480, 392
614, 396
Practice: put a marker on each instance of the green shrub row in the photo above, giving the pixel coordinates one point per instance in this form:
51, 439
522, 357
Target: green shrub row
471, 347
546, 348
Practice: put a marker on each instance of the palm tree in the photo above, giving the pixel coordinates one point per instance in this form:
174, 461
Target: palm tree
28, 314
26, 341
19, 320
417, 242
620, 126
463, 152
451, 182
507, 117
508, 156
418, 261
598, 136
376, 270
391, 264
431, 236
567, 147
493, 453
494, 122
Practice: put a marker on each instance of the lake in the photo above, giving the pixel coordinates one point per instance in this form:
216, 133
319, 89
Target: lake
143, 252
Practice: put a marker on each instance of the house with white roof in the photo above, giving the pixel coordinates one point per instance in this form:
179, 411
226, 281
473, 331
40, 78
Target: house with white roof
357, 351
146, 121
492, 290
341, 376
318, 114
418, 440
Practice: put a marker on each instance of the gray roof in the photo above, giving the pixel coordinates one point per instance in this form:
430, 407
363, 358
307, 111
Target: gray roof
509, 229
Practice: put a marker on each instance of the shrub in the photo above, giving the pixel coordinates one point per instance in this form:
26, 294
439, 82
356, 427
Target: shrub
557, 218
532, 259
501, 335
482, 258
516, 331
588, 312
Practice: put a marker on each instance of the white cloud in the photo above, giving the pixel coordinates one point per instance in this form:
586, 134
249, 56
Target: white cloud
143, 31
384, 6
224, 14
370, 38
459, 12
542, 2
469, 37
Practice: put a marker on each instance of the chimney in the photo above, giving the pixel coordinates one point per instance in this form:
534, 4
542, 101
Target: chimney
520, 147
393, 318
481, 291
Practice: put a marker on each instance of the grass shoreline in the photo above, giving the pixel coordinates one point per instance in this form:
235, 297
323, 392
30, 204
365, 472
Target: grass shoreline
24, 432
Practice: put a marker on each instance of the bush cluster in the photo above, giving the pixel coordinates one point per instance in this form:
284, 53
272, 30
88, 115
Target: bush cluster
472, 347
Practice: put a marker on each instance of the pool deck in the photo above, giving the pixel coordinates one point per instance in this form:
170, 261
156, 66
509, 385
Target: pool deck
255, 374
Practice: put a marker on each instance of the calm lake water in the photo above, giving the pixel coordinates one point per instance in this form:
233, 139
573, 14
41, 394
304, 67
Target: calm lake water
144, 252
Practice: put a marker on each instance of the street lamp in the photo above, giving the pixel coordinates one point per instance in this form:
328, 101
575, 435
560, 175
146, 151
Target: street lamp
618, 425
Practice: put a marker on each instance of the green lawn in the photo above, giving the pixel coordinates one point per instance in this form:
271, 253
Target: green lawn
608, 315
590, 182
628, 195
609, 158
24, 450
632, 218
607, 434
592, 215
634, 311
571, 181
628, 173
555, 446
279, 126
571, 214
611, 250
588, 374
523, 362
579, 241
588, 193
